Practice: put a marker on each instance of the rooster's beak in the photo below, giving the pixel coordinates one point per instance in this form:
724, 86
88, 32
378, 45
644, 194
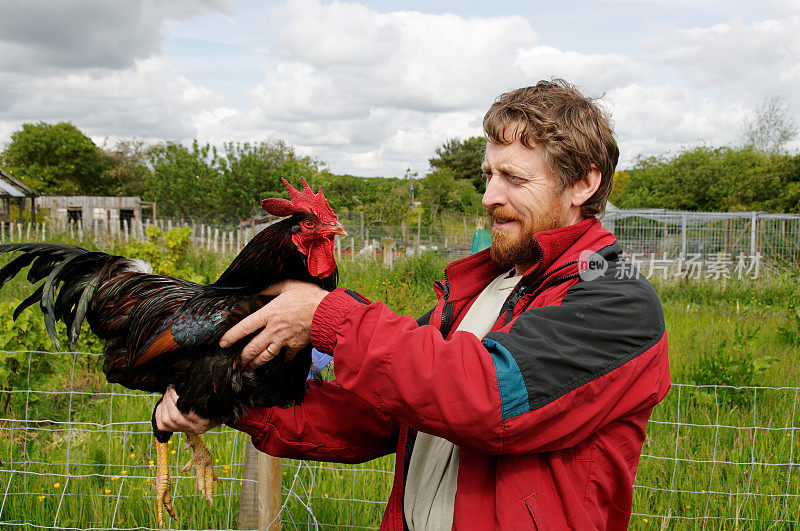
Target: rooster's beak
337, 229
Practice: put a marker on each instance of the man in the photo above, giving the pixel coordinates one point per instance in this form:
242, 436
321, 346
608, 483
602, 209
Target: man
520, 401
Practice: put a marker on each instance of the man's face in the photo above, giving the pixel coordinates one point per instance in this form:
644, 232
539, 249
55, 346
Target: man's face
521, 199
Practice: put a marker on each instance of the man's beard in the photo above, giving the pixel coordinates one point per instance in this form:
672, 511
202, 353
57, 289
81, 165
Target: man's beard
508, 251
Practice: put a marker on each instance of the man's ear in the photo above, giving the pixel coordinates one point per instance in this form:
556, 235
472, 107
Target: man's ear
584, 189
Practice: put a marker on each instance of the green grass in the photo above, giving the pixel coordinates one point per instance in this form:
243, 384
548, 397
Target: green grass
702, 467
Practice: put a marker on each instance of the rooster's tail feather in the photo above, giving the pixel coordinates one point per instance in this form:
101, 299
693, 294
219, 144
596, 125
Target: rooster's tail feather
80, 271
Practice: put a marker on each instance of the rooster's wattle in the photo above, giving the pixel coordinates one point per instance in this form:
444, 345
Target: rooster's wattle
161, 331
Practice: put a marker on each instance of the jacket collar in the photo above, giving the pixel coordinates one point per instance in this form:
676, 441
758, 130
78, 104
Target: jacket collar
558, 249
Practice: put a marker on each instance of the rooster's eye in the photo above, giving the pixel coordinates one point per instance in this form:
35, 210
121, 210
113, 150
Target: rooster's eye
308, 224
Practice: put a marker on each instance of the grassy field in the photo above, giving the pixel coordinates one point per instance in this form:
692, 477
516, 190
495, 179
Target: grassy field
714, 452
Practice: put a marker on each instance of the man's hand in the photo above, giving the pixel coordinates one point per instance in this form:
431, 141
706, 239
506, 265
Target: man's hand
169, 417
284, 322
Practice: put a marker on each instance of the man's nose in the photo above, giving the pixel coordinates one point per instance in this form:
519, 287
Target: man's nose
494, 194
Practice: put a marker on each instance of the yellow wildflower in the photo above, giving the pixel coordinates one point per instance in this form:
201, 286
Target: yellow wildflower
114, 478
124, 472
172, 452
216, 460
56, 485
133, 455
107, 491
40, 498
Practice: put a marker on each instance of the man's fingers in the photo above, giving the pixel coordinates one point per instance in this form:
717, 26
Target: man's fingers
245, 327
257, 346
170, 418
171, 395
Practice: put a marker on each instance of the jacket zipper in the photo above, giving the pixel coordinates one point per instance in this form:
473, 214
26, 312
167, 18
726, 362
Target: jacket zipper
447, 308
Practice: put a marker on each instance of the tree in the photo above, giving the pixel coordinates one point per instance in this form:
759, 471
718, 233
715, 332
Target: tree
441, 190
391, 206
128, 172
771, 127
706, 178
622, 182
250, 172
463, 158
184, 182
57, 160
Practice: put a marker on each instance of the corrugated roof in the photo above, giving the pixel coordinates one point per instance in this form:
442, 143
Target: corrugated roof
9, 186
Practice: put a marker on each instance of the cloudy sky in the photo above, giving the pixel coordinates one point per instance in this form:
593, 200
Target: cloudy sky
373, 87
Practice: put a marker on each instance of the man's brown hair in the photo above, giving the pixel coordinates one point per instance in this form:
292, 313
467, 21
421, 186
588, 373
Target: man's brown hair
573, 131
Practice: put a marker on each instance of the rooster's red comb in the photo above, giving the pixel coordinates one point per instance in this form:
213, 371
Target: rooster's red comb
305, 201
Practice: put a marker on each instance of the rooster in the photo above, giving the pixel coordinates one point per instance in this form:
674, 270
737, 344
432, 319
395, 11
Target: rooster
161, 331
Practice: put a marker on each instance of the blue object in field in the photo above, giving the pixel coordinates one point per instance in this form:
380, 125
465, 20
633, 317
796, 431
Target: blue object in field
481, 240
319, 360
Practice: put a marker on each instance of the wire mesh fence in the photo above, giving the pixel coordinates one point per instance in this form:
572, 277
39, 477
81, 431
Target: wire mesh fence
77, 453
680, 235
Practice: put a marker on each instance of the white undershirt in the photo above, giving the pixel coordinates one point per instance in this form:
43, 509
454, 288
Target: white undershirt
430, 490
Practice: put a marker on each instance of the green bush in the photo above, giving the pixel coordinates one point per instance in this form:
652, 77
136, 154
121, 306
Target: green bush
167, 257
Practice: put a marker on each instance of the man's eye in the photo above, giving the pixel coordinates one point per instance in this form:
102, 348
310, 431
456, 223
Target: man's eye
487, 176
515, 180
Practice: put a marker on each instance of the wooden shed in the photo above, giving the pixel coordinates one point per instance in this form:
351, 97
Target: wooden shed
110, 210
12, 189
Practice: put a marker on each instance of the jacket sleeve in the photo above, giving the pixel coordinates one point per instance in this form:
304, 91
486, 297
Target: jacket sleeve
331, 424
548, 380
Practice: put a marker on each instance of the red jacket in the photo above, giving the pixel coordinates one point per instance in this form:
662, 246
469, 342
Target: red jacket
549, 409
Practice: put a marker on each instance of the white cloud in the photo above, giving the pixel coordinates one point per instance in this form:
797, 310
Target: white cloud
376, 93
98, 64
664, 118
736, 59
593, 71
783, 7
150, 99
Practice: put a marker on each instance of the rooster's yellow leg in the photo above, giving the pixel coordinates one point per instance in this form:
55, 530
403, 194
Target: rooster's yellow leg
163, 485
203, 466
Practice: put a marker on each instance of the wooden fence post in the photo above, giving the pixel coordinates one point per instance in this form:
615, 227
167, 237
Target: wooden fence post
248, 500
270, 472
388, 253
